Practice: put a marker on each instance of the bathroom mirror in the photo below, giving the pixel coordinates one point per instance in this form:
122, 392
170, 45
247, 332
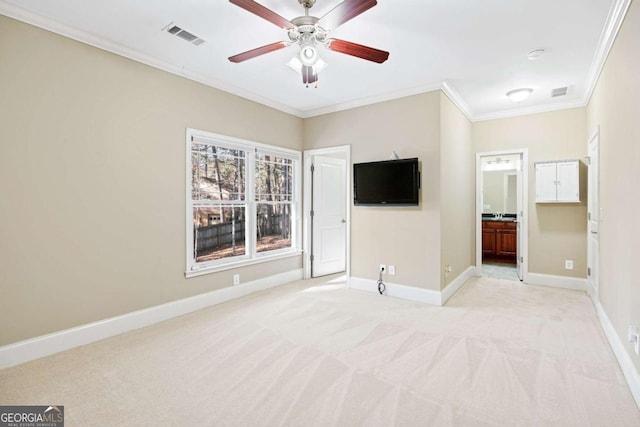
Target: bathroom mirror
499, 191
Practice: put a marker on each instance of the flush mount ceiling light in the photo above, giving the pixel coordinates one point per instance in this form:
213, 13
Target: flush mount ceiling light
309, 32
519, 95
535, 54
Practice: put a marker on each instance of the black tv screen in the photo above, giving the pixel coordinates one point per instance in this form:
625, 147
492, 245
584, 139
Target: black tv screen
390, 182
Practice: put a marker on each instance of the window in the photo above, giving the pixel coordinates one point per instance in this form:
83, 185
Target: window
274, 202
242, 202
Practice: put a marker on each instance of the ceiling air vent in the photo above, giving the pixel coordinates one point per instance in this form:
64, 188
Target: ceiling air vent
559, 91
184, 34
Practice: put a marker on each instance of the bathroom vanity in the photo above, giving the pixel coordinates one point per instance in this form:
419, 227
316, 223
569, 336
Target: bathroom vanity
499, 239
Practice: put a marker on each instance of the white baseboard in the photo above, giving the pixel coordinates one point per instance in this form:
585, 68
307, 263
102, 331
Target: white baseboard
413, 293
593, 292
396, 290
626, 364
575, 283
456, 284
35, 348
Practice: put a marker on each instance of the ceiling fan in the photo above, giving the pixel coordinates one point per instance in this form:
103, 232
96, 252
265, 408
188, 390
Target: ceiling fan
308, 32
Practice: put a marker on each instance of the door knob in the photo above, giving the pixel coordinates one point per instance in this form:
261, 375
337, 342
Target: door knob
343, 221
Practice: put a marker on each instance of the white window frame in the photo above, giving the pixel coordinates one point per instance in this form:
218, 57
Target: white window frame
251, 256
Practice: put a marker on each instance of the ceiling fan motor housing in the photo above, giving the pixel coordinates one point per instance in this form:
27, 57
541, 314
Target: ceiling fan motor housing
307, 4
305, 22
305, 27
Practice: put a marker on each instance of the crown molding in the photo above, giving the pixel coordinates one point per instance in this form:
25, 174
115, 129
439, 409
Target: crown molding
536, 109
369, 100
617, 13
445, 87
458, 101
56, 27
613, 23
45, 23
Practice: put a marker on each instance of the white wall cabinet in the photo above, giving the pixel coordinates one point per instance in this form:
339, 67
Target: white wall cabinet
558, 182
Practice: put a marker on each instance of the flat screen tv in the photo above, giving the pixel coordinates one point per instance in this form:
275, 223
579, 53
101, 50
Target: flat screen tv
390, 182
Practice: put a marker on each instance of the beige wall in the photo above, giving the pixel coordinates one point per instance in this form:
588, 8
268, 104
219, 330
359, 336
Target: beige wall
556, 231
407, 237
92, 178
457, 175
614, 107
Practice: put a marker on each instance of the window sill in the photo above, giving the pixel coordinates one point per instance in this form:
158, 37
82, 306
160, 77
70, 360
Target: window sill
231, 265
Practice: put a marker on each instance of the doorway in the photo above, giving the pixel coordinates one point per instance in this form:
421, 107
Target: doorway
593, 215
327, 195
501, 214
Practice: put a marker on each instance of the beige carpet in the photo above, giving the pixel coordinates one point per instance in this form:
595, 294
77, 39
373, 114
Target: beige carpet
317, 354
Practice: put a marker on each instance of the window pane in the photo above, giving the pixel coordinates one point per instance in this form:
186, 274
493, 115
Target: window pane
274, 178
219, 232
273, 226
217, 173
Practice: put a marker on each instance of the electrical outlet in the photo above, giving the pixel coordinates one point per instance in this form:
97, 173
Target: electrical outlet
568, 264
382, 268
448, 269
236, 279
392, 270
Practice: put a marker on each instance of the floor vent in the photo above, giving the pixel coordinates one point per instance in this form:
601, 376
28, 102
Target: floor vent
184, 34
559, 91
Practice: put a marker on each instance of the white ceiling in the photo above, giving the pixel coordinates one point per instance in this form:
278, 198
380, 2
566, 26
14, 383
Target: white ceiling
475, 51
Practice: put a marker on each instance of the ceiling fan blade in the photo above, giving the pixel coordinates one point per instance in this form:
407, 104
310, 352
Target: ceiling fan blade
344, 12
358, 50
257, 52
263, 12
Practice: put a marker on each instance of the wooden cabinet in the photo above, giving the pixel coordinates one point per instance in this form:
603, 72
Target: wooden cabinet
499, 241
558, 182
488, 241
506, 243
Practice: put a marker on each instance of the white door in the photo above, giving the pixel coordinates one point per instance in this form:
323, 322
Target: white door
520, 221
594, 215
329, 213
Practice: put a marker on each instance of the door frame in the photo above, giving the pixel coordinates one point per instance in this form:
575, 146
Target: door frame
593, 253
524, 215
345, 152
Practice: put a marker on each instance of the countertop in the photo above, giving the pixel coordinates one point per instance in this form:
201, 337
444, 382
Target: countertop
504, 219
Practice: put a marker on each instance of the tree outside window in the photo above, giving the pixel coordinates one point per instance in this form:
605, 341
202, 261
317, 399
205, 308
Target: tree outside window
274, 199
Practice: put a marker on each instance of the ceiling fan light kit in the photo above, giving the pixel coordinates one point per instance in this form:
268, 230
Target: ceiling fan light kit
308, 32
308, 54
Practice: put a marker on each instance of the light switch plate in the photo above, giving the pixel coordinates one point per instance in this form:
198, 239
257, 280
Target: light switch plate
634, 338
